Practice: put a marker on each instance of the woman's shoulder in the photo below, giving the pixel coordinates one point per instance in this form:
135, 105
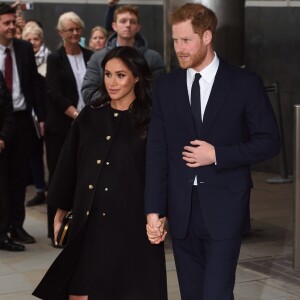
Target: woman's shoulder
59, 52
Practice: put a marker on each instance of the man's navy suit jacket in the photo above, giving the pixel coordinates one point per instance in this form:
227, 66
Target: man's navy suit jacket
238, 121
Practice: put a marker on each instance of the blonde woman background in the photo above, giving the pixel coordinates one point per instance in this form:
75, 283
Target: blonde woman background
98, 38
65, 70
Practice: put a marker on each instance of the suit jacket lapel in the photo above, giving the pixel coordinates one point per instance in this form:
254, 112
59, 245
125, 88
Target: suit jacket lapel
67, 66
217, 97
182, 102
18, 55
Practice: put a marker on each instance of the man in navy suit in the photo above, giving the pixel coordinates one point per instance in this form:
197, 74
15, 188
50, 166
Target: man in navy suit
17, 62
198, 159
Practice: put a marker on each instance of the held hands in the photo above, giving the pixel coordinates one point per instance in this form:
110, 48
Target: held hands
199, 154
156, 228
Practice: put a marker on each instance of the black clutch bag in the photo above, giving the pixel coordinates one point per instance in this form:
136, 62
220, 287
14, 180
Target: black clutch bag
64, 230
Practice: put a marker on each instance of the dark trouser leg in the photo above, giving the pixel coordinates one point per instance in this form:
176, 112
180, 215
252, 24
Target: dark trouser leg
205, 267
37, 165
54, 145
4, 200
19, 159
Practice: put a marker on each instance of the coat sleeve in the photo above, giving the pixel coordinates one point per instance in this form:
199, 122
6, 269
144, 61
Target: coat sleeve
54, 84
62, 189
93, 77
156, 161
155, 63
7, 126
264, 140
37, 86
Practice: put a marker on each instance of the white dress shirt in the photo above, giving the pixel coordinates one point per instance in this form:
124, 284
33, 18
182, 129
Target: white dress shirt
206, 82
79, 68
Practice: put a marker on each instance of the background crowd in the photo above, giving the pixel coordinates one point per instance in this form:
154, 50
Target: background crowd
48, 89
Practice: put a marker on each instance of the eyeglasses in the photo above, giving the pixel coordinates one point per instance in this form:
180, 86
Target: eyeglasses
71, 30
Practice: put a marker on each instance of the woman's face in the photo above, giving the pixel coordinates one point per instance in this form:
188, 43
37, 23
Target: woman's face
71, 32
35, 40
119, 82
98, 40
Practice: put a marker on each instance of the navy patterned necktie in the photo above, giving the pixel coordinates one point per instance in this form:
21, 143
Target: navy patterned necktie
196, 104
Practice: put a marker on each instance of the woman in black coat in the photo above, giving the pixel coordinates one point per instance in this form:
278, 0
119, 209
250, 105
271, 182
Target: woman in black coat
65, 71
100, 176
6, 133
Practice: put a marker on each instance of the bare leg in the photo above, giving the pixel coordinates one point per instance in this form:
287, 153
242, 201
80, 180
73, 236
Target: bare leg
73, 297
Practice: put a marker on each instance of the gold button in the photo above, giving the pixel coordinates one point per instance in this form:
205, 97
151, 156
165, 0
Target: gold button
91, 187
108, 137
103, 214
106, 189
116, 114
107, 163
87, 213
98, 161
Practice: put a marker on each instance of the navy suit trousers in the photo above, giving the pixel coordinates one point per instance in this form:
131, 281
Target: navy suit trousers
205, 267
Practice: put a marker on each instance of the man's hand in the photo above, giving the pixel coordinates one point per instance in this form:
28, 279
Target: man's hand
2, 145
42, 128
199, 154
112, 2
155, 228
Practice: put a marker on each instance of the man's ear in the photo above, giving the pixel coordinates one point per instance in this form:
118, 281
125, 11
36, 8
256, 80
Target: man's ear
113, 25
207, 37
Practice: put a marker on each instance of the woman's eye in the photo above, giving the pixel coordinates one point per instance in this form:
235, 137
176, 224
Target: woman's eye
107, 74
121, 75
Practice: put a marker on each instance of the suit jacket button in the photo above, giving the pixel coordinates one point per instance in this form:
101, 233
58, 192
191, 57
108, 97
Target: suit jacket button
116, 114
91, 187
98, 161
106, 189
108, 137
87, 213
103, 214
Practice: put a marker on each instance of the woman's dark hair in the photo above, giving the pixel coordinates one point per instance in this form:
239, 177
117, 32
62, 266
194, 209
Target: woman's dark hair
141, 106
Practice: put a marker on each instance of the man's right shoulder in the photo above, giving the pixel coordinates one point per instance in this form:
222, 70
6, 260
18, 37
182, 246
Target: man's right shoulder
171, 75
98, 55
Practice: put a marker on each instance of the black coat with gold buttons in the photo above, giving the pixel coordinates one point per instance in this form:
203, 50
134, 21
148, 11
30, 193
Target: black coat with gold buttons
100, 176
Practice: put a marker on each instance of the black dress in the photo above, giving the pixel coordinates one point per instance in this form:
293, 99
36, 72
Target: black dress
116, 261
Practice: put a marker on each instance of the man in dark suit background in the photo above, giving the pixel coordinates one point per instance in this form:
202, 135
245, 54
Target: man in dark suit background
18, 65
206, 131
6, 133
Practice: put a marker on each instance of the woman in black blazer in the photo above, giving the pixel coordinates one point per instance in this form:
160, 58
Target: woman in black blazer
65, 71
